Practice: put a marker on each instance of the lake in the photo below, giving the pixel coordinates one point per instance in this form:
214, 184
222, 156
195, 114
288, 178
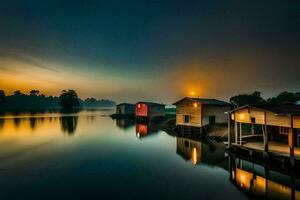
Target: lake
88, 155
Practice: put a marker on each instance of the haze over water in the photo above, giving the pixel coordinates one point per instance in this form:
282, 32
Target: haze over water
86, 155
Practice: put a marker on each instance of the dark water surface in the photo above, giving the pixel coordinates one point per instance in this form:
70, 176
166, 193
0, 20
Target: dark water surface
90, 156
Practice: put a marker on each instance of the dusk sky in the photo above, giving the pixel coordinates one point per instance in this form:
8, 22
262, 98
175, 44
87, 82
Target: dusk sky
150, 50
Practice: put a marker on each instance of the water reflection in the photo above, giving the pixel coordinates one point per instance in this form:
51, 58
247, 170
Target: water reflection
32, 121
203, 151
189, 149
261, 182
125, 122
1, 123
17, 122
69, 124
143, 130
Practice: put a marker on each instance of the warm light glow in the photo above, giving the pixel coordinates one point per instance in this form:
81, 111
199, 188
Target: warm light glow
192, 93
139, 105
242, 116
194, 156
232, 116
195, 105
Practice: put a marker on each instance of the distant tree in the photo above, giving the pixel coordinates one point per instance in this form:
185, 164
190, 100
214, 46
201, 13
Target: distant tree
2, 97
17, 93
284, 97
244, 99
69, 99
34, 92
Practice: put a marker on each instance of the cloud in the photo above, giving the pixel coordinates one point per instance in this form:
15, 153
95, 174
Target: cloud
25, 60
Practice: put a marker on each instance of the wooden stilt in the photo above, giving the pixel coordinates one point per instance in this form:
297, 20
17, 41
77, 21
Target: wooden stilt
236, 132
241, 133
266, 141
229, 132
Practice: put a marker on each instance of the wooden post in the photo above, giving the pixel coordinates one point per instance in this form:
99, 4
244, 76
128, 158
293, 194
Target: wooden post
229, 132
265, 135
266, 141
236, 132
291, 140
241, 134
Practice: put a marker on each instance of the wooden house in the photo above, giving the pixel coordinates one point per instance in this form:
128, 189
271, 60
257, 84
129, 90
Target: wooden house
274, 128
199, 112
149, 110
125, 109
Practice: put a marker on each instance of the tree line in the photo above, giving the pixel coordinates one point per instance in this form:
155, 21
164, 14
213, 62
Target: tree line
35, 100
256, 98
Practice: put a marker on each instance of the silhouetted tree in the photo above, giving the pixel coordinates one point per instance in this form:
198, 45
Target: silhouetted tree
285, 97
2, 97
69, 99
34, 93
244, 99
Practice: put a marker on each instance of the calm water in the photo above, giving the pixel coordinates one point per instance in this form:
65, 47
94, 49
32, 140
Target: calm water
88, 155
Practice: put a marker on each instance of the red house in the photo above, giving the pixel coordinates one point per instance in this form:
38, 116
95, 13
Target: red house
149, 110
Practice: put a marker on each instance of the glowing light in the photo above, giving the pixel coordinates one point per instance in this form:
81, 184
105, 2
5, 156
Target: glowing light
139, 106
195, 105
192, 93
194, 156
242, 116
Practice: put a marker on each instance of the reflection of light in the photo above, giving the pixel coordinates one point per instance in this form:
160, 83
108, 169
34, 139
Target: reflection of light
195, 105
194, 156
139, 105
138, 134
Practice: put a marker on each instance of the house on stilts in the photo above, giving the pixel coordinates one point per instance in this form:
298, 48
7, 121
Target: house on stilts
196, 113
270, 129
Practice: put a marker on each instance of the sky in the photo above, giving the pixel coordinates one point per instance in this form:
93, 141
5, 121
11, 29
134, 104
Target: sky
150, 50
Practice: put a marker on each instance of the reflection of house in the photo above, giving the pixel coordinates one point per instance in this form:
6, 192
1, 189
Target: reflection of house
149, 110
274, 128
189, 149
125, 122
209, 152
197, 112
125, 109
144, 130
262, 182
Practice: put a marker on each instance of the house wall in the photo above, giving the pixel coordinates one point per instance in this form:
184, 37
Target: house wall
141, 110
125, 109
186, 107
213, 110
245, 115
278, 120
156, 111
296, 121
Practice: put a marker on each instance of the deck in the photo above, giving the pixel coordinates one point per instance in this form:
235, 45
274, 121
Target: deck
274, 147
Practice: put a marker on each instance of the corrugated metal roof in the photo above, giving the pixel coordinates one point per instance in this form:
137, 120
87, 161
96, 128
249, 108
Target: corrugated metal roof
150, 103
292, 109
205, 101
124, 104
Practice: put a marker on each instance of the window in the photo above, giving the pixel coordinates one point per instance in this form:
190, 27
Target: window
186, 119
212, 119
252, 119
284, 130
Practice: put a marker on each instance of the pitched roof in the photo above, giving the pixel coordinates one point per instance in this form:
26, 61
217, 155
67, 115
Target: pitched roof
150, 103
124, 104
281, 109
205, 101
